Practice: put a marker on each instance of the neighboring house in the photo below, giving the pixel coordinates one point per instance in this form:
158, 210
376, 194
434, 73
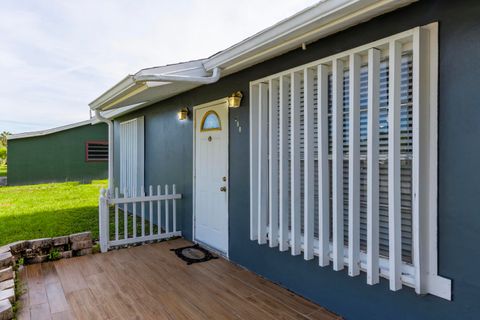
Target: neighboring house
75, 152
349, 172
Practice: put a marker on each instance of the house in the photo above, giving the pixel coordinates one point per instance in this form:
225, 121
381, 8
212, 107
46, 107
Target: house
347, 173
74, 152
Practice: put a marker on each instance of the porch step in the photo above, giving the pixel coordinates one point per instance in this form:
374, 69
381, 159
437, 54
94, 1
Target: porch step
6, 310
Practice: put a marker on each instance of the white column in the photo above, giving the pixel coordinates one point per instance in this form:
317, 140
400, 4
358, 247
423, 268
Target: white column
373, 167
323, 171
394, 195
295, 162
337, 163
262, 163
284, 179
309, 169
273, 163
354, 168
253, 162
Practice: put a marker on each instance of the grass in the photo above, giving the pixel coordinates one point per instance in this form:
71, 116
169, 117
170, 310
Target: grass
3, 170
48, 210
121, 224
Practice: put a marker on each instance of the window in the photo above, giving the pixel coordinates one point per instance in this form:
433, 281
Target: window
343, 161
96, 151
131, 156
211, 121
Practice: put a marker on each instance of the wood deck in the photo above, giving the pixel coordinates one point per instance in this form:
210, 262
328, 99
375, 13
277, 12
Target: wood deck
150, 282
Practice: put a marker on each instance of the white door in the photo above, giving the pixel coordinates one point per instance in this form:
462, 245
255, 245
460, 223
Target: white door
211, 176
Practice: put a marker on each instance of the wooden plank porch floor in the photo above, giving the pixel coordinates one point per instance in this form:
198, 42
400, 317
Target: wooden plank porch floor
150, 282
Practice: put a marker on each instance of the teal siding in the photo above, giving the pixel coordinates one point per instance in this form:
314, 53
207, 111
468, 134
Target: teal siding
169, 156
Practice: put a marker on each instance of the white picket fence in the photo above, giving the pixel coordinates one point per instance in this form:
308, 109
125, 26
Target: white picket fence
145, 208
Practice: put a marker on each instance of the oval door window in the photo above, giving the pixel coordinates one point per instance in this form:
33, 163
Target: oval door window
211, 121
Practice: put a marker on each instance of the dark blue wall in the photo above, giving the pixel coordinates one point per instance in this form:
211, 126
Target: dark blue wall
169, 160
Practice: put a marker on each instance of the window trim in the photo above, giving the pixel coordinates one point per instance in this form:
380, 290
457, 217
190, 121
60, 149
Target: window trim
205, 118
100, 142
423, 39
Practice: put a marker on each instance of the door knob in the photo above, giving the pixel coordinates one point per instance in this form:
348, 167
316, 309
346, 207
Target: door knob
223, 189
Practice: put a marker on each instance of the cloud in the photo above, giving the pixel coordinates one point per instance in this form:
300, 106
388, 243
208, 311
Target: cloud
57, 56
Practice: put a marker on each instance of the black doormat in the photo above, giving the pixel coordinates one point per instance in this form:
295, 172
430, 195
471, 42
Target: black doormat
193, 254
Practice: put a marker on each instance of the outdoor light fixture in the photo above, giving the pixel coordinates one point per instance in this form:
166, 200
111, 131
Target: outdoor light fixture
235, 99
183, 114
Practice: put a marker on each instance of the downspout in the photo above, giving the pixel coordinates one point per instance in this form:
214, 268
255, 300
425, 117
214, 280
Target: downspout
178, 78
110, 149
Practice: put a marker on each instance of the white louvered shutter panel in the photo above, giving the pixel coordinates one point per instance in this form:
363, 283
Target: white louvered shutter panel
131, 156
308, 134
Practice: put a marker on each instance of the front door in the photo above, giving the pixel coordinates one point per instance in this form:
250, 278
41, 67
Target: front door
211, 175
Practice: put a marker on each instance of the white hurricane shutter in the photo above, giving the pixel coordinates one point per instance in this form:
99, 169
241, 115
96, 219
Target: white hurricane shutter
132, 156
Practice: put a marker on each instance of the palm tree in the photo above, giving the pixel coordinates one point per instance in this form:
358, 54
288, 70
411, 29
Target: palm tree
3, 138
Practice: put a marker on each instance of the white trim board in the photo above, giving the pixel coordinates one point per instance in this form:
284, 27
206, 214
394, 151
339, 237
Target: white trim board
50, 131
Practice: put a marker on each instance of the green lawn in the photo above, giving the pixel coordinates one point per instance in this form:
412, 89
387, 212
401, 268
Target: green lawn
48, 210
3, 170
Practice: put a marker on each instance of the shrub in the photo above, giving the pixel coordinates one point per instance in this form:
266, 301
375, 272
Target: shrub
3, 155
54, 255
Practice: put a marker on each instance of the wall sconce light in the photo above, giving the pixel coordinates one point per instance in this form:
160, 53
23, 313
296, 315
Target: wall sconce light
183, 114
235, 99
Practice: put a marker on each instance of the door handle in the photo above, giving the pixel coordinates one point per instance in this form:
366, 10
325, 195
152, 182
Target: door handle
223, 189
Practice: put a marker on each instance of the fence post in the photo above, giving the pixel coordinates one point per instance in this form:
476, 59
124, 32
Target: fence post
103, 220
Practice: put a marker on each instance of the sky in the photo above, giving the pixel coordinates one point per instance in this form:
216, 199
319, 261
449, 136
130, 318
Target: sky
56, 56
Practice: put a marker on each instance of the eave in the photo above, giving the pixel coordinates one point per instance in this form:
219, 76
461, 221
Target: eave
50, 131
309, 25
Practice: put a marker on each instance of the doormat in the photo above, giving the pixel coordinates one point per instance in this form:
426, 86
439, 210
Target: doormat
193, 254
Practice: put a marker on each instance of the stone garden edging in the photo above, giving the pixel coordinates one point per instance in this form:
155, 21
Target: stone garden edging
36, 251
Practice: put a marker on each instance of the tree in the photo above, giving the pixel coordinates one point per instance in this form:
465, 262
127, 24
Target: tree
3, 155
3, 138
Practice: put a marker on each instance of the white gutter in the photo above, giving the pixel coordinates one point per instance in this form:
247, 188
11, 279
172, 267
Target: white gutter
179, 78
140, 81
313, 23
110, 149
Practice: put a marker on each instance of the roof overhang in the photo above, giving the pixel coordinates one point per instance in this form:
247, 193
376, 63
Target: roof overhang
325, 18
50, 131
311, 24
129, 91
